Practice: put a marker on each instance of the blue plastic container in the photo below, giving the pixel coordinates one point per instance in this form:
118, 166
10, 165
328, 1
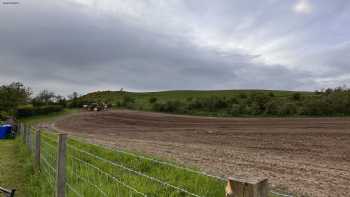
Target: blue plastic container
5, 130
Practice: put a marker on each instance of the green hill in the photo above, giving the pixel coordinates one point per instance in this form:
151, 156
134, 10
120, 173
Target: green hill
208, 102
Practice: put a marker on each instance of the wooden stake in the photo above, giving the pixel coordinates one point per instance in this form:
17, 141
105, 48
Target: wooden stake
61, 165
243, 187
37, 149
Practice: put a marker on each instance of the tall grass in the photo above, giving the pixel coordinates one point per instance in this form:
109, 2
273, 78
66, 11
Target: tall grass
96, 171
93, 171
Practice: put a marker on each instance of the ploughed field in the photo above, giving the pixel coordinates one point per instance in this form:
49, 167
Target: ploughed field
302, 155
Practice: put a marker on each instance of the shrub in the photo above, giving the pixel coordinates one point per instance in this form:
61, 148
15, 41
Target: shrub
152, 100
296, 96
288, 109
189, 99
127, 101
25, 111
212, 103
28, 110
235, 110
168, 106
243, 96
255, 109
3, 115
258, 102
272, 107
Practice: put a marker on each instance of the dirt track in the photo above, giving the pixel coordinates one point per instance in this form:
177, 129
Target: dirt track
306, 155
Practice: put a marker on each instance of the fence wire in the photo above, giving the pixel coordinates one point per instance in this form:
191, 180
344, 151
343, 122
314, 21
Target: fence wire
98, 176
154, 179
75, 192
83, 170
169, 164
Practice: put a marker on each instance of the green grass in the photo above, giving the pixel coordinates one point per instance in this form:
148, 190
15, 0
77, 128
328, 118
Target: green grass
15, 167
86, 173
88, 164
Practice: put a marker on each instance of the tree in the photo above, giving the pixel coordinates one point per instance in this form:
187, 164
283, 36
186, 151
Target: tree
152, 100
74, 99
44, 97
296, 96
60, 100
128, 101
13, 95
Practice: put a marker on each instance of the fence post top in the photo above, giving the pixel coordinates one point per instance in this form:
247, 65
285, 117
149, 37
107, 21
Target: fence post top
62, 134
251, 180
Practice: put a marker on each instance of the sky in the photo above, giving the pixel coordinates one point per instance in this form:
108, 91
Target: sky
151, 45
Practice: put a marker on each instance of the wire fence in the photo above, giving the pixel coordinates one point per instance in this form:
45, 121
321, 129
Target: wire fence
94, 171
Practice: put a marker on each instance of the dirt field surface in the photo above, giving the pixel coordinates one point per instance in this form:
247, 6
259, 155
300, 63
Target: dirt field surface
307, 156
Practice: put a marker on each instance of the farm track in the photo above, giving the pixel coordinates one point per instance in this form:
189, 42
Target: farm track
306, 155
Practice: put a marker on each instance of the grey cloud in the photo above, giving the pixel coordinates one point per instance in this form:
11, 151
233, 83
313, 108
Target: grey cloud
65, 47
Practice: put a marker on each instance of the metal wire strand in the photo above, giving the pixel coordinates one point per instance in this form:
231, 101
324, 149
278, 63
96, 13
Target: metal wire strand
74, 190
136, 172
90, 183
109, 175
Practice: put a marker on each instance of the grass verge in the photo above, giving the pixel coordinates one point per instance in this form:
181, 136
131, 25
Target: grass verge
16, 168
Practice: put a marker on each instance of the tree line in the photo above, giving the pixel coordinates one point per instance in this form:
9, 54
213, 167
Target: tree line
328, 102
17, 100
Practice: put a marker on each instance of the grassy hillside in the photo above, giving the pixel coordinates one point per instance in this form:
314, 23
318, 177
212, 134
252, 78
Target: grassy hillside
213, 103
143, 97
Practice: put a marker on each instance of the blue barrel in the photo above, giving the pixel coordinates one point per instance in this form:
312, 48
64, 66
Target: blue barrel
5, 130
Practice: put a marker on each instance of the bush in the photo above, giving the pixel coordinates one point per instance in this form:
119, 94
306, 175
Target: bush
296, 96
212, 103
28, 110
235, 110
152, 100
25, 111
168, 106
272, 107
288, 109
128, 101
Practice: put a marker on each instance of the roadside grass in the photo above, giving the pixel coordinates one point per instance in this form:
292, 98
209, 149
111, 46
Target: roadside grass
16, 167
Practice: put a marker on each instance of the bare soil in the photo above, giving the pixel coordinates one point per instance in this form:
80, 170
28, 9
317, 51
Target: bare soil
306, 156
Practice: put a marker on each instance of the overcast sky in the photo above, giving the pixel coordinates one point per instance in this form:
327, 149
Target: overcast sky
147, 45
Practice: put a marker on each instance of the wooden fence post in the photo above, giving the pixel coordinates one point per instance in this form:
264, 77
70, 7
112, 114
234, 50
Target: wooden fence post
24, 134
18, 129
61, 165
30, 139
37, 149
28, 135
241, 187
12, 194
